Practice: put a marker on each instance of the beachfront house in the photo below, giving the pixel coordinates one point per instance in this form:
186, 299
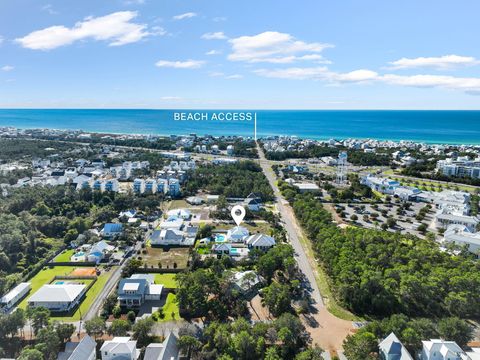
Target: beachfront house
437, 349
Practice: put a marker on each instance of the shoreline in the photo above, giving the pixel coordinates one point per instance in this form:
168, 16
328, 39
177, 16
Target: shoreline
261, 136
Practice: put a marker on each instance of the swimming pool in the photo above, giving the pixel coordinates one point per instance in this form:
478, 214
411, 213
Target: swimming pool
59, 282
219, 238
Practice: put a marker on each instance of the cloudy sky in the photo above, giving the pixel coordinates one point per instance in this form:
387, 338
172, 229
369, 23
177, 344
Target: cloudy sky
267, 54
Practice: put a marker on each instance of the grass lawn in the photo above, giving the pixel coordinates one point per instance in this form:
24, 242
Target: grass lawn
170, 307
64, 256
44, 277
168, 280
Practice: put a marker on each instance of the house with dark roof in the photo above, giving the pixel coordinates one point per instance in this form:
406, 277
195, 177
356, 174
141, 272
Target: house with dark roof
111, 230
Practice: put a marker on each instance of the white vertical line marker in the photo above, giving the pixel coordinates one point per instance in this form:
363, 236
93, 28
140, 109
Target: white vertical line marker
255, 132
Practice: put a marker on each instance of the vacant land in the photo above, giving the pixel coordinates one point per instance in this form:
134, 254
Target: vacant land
167, 280
253, 227
168, 258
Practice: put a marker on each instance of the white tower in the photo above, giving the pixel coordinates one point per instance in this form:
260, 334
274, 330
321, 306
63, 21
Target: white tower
342, 168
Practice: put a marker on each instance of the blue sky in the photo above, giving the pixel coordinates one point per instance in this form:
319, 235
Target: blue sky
304, 54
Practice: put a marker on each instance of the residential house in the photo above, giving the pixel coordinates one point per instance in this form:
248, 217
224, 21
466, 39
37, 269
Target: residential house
138, 186
437, 349
83, 350
237, 234
58, 297
168, 350
134, 291
10, 299
245, 281
392, 349
111, 230
260, 242
120, 348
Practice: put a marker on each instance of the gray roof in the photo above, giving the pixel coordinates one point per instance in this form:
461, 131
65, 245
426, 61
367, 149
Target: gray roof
78, 351
392, 347
168, 350
57, 293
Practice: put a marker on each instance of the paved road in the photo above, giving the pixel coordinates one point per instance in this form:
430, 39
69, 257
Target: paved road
289, 220
110, 284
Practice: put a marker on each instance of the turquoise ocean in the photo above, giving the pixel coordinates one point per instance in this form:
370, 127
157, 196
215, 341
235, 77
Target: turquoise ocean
453, 127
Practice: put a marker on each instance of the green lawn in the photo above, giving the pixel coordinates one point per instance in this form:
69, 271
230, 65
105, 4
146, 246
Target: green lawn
64, 256
168, 280
44, 277
170, 307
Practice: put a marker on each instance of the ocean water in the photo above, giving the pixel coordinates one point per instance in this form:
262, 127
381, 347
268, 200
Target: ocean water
453, 127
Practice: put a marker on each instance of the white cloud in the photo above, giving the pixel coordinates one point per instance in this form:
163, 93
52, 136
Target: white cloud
274, 47
216, 74
219, 19
1, 40
115, 28
214, 36
213, 52
171, 98
187, 15
187, 64
7, 68
469, 85
234, 76
134, 2
441, 62
49, 8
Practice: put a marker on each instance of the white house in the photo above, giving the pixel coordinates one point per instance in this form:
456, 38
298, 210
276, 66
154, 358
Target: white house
444, 218
15, 295
462, 235
58, 297
260, 241
83, 350
137, 289
185, 214
383, 185
392, 349
120, 348
237, 234
437, 349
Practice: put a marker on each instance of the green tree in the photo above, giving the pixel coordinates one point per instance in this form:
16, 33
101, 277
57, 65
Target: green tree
95, 327
141, 330
361, 346
64, 331
455, 329
39, 317
188, 344
119, 327
30, 354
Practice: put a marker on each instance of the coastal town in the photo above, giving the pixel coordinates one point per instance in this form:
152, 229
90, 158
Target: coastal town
124, 246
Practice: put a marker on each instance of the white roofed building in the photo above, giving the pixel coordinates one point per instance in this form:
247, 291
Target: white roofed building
58, 297
120, 348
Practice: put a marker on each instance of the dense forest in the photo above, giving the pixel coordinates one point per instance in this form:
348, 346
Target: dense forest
380, 273
233, 180
355, 157
38, 221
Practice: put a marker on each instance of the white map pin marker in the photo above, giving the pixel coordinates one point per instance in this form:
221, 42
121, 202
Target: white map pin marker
238, 213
